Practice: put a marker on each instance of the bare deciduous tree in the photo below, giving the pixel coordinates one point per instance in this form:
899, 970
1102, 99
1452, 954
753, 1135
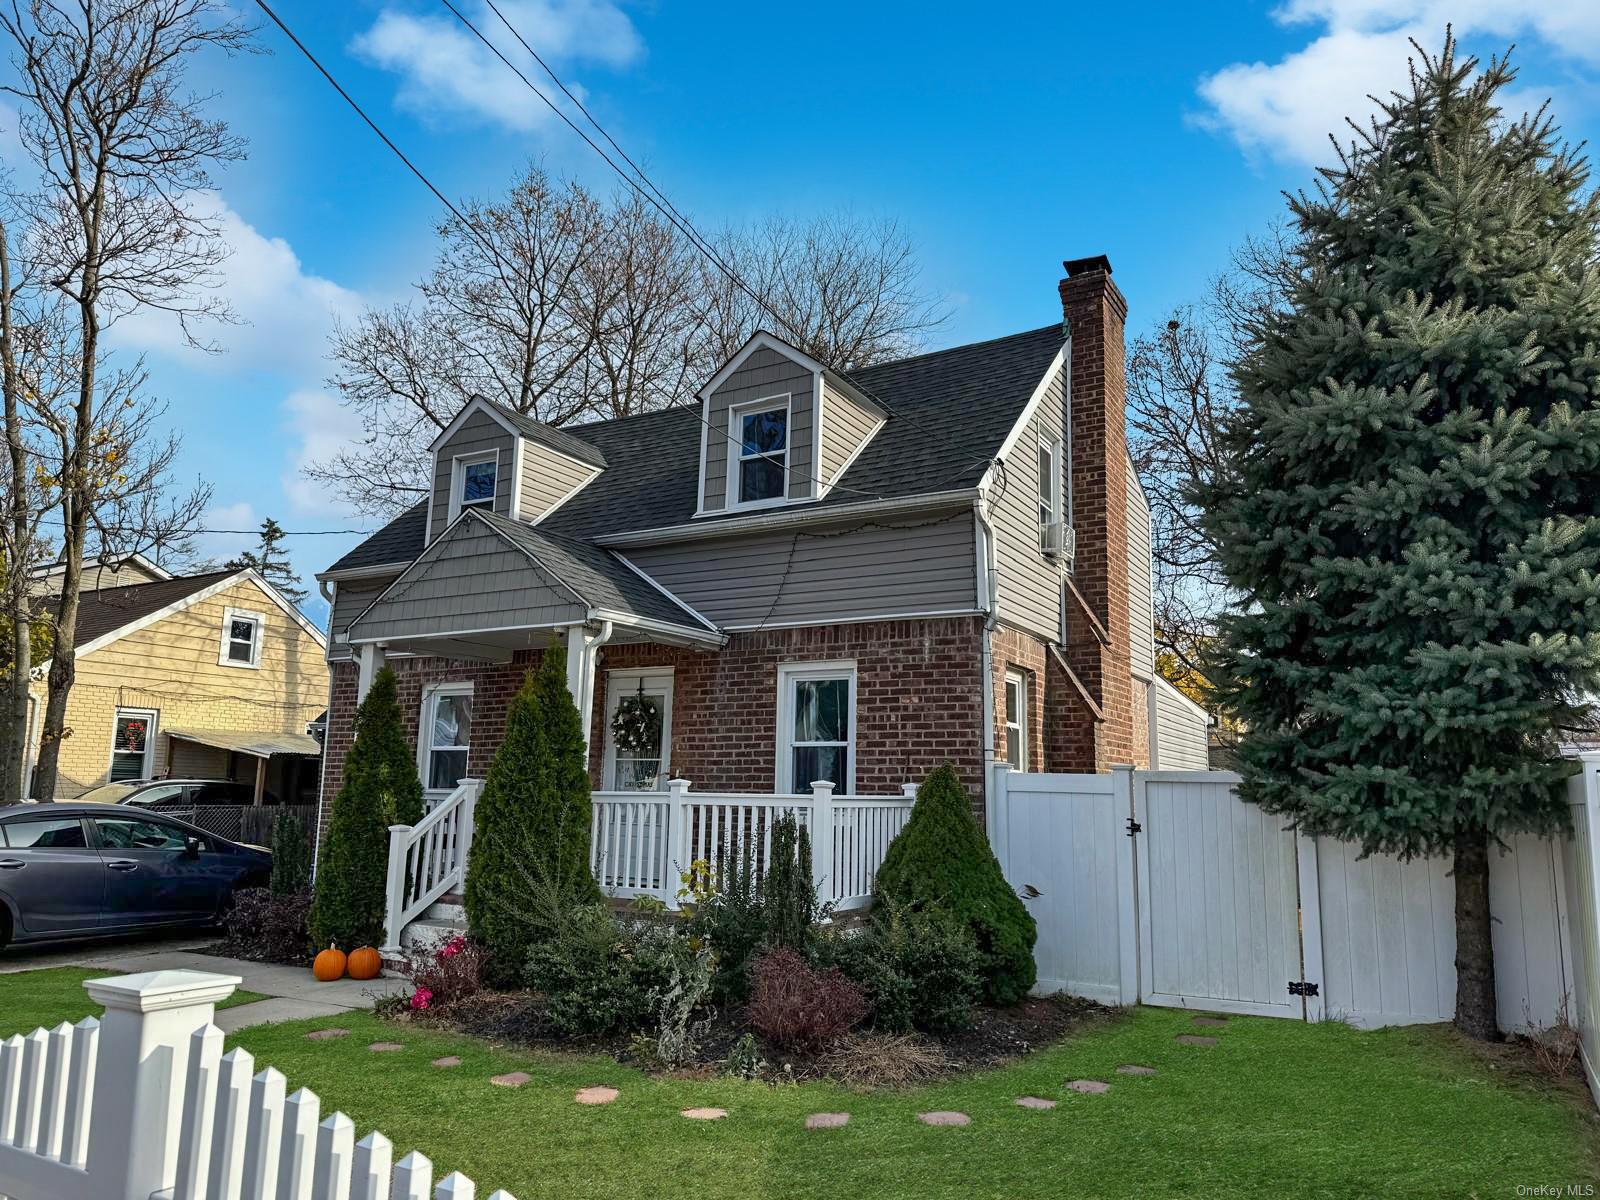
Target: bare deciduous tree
567, 307
121, 150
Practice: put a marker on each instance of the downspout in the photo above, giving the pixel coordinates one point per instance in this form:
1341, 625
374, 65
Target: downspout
990, 603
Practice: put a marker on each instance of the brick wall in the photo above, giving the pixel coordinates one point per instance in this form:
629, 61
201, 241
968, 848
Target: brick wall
919, 703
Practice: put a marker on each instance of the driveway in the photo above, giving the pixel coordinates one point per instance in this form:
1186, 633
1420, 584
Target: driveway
292, 994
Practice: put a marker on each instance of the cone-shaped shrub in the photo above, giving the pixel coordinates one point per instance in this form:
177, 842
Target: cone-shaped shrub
530, 849
380, 787
941, 859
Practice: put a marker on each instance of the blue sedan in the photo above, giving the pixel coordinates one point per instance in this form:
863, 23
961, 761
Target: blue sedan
81, 870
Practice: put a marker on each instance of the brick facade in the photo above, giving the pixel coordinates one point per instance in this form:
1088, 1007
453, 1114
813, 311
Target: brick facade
919, 703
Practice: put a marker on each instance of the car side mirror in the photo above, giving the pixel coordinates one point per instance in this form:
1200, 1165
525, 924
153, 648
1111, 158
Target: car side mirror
191, 847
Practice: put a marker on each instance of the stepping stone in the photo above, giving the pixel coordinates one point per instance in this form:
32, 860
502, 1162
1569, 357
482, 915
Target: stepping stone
704, 1114
827, 1120
596, 1095
1209, 1020
1131, 1069
1189, 1039
385, 1047
944, 1118
325, 1035
1034, 1102
450, 1060
514, 1079
1089, 1087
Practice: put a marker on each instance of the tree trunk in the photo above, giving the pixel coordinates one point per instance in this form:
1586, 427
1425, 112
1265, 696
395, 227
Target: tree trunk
14, 710
1475, 995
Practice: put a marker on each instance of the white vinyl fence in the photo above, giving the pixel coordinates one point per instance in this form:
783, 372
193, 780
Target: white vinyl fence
1163, 887
145, 1106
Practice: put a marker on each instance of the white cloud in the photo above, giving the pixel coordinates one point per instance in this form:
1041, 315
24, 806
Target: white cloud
1288, 108
223, 546
284, 314
321, 427
445, 68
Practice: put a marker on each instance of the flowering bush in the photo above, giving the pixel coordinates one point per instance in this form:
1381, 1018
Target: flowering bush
798, 1008
445, 975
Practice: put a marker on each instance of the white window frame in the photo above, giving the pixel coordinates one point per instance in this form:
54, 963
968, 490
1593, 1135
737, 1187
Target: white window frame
425, 747
737, 456
788, 675
1057, 510
259, 620
1019, 681
153, 718
458, 480
624, 681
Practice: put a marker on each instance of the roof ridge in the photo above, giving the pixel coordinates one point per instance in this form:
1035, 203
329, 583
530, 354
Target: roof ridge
148, 583
1004, 337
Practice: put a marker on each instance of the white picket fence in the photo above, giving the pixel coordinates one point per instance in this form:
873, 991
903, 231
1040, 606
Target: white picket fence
144, 1105
1163, 887
641, 842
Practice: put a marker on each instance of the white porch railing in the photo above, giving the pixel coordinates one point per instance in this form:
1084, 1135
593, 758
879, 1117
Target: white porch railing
641, 842
145, 1106
428, 859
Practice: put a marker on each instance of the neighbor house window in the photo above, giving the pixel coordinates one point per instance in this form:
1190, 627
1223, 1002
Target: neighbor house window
475, 479
241, 638
444, 734
133, 742
1051, 514
1017, 720
761, 450
816, 726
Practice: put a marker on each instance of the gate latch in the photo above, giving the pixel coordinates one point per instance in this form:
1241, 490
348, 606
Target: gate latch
1302, 987
1134, 827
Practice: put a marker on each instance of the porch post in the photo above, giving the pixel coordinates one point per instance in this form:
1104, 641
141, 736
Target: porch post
822, 837
677, 838
583, 651
370, 660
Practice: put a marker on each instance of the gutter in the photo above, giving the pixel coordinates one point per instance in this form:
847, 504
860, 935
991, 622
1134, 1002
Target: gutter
786, 519
372, 572
991, 607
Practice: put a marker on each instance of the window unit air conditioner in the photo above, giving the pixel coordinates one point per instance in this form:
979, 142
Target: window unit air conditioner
1058, 540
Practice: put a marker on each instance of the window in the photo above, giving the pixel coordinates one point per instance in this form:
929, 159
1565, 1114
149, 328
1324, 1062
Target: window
132, 741
1017, 720
446, 732
241, 638
41, 833
138, 833
816, 726
1051, 512
761, 451
474, 482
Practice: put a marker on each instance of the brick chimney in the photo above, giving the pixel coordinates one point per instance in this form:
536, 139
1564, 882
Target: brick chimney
1098, 649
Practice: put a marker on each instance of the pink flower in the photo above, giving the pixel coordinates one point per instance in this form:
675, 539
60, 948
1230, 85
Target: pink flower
453, 947
421, 998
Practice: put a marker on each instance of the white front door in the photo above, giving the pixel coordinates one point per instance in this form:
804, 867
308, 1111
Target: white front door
638, 729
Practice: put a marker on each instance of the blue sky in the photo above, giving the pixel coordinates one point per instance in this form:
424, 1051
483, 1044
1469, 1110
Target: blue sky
1159, 135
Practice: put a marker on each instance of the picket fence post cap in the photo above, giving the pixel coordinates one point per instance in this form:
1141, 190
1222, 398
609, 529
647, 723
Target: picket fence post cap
157, 991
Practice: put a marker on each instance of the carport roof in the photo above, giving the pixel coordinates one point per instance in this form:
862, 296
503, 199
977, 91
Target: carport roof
249, 741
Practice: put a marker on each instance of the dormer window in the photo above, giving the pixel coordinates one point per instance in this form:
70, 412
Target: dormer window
759, 453
473, 482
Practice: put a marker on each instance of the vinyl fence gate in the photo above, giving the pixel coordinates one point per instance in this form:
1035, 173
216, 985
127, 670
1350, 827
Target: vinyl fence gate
1163, 887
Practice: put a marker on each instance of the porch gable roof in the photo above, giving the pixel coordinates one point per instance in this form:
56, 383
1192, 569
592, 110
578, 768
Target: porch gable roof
489, 575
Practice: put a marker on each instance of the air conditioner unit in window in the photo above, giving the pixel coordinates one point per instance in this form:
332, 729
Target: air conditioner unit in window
1058, 540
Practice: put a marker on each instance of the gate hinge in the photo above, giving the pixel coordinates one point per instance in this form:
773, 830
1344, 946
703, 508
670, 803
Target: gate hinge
1134, 827
1302, 987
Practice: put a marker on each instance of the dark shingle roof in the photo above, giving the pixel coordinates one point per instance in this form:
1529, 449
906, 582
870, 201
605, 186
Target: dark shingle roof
548, 435
101, 612
951, 410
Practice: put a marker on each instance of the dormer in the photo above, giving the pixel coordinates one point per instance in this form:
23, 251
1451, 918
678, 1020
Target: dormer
778, 428
495, 458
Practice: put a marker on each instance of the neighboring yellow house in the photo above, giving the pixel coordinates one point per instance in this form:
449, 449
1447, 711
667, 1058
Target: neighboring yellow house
213, 676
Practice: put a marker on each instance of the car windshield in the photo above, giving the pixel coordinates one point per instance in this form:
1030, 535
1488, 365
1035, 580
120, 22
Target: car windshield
107, 793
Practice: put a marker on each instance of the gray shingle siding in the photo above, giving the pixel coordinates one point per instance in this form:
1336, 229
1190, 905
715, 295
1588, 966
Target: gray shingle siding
1030, 583
846, 425
925, 565
547, 478
470, 579
765, 374
478, 433
350, 599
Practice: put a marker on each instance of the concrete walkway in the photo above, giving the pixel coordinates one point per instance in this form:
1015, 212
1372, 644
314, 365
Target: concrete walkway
292, 993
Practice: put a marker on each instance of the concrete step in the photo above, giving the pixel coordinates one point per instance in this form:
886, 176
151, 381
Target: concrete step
428, 933
445, 909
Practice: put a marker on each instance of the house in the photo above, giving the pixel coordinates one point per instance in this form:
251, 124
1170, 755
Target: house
212, 676
808, 575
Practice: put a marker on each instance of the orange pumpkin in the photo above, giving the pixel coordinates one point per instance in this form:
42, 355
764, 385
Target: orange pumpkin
329, 965
364, 963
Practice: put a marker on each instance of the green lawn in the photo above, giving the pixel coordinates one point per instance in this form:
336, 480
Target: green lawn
1276, 1109
29, 999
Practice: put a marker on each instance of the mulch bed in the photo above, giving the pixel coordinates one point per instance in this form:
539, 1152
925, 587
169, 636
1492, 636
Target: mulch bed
997, 1036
